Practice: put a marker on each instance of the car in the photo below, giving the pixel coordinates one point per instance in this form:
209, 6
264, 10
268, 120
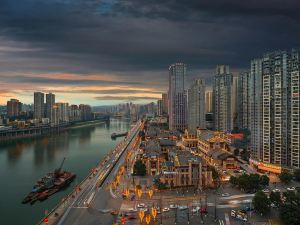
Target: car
273, 205
203, 210
291, 189
276, 190
141, 205
133, 210
225, 195
173, 206
266, 190
247, 208
166, 209
183, 207
196, 209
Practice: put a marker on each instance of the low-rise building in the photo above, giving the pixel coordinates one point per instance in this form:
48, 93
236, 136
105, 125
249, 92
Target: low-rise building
214, 147
184, 169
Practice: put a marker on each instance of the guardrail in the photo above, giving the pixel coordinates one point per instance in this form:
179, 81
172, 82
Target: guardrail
69, 196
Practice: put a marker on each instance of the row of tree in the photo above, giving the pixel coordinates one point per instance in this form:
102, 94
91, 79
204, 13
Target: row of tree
288, 204
252, 182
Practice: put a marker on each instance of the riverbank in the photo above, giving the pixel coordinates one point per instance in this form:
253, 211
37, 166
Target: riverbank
36, 131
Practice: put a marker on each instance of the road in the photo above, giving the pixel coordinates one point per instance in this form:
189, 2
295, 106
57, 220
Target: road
93, 203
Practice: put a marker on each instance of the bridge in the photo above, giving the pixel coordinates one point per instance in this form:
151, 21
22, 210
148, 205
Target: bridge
90, 198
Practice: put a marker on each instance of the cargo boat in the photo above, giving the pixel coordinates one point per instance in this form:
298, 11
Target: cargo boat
115, 135
49, 185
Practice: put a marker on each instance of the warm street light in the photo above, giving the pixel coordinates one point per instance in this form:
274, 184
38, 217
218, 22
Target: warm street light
150, 192
139, 193
154, 212
148, 218
141, 215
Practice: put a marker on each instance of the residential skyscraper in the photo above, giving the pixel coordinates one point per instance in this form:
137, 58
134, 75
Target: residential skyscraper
159, 107
243, 105
50, 101
39, 108
222, 99
63, 112
295, 108
208, 101
255, 109
177, 97
165, 103
274, 111
13, 107
196, 106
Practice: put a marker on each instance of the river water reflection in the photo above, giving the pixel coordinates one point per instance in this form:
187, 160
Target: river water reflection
23, 162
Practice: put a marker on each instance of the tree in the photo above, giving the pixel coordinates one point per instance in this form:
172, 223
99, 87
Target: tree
236, 152
290, 214
275, 198
264, 180
261, 203
139, 168
233, 180
297, 174
285, 177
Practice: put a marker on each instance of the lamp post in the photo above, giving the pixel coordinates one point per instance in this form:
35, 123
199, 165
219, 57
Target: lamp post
141, 215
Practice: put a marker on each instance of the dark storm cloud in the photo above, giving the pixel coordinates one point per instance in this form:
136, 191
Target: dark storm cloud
49, 80
128, 37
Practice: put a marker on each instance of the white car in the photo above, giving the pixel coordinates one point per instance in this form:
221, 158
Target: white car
166, 209
183, 207
196, 209
141, 205
133, 210
173, 206
225, 195
291, 189
276, 190
265, 190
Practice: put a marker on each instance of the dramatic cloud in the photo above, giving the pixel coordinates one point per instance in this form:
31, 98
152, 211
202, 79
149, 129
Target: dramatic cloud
130, 43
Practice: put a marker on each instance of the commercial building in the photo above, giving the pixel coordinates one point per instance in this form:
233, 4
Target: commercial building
177, 97
39, 105
13, 107
223, 99
196, 106
50, 101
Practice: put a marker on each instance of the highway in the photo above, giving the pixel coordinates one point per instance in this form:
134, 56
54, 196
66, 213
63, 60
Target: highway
93, 203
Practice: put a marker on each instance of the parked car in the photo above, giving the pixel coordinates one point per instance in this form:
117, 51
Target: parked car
225, 195
183, 207
166, 209
141, 205
239, 214
266, 190
291, 189
173, 206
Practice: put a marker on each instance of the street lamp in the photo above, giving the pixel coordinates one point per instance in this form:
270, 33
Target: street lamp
154, 212
148, 218
141, 215
150, 192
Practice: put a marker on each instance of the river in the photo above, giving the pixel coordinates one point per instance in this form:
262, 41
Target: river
23, 162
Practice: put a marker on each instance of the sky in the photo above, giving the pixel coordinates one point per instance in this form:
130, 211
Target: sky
103, 52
